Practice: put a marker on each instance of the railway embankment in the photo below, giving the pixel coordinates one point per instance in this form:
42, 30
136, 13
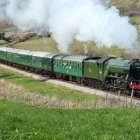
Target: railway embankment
111, 98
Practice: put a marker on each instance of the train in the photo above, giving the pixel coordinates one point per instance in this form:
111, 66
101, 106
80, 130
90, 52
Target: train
110, 73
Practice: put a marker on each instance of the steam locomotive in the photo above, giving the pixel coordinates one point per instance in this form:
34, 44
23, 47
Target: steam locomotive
102, 73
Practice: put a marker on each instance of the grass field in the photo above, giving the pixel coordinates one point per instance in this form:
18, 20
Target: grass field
77, 48
2, 42
45, 89
38, 44
19, 121
135, 20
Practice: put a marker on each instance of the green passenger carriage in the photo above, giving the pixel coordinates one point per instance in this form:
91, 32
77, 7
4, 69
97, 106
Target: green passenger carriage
24, 58
69, 65
42, 61
3, 53
12, 55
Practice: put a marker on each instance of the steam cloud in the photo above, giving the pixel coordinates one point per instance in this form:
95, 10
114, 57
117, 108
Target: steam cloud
83, 20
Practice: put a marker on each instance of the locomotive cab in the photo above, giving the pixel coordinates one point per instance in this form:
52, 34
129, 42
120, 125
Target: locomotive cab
135, 75
135, 70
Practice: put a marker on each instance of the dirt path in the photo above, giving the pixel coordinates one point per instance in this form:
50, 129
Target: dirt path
76, 87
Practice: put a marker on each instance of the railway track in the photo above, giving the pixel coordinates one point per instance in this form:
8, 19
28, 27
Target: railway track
72, 85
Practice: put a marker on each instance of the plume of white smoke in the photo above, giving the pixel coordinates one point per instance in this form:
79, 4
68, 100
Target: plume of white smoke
2, 9
83, 20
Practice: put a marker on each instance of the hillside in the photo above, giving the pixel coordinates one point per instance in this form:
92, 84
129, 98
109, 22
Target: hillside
6, 26
127, 7
38, 44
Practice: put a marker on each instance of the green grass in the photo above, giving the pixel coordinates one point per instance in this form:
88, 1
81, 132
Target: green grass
39, 87
2, 42
19, 121
38, 44
135, 20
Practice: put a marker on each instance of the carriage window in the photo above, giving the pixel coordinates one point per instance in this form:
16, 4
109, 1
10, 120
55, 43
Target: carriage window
66, 64
75, 66
72, 66
59, 63
78, 67
34, 59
